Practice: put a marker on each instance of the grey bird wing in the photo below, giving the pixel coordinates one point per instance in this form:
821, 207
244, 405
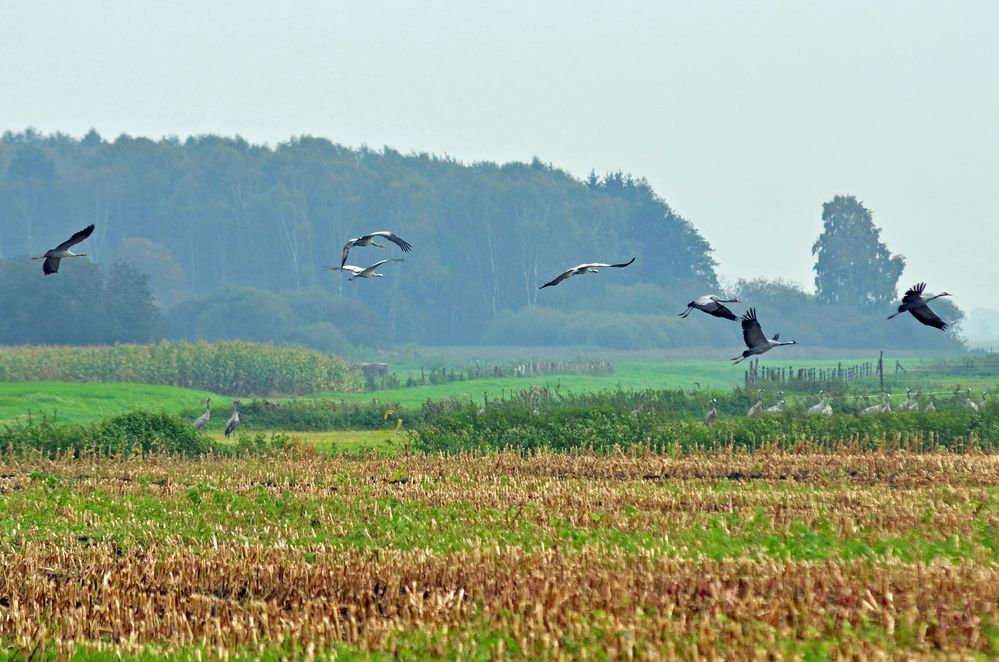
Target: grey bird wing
723, 311
914, 293
558, 279
51, 265
394, 238
76, 238
381, 262
928, 317
751, 331
604, 264
346, 250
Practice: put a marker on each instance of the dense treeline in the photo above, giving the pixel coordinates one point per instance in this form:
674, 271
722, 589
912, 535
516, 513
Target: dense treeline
234, 238
95, 306
211, 212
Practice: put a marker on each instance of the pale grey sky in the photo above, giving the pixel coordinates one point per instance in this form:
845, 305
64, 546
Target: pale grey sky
743, 115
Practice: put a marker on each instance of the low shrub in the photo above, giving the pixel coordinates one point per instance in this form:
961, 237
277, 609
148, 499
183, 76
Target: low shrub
132, 432
315, 415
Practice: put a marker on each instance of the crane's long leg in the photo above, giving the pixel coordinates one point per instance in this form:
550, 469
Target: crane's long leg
686, 312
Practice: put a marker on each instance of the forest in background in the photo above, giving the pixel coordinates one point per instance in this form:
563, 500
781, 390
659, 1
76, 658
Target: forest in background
234, 238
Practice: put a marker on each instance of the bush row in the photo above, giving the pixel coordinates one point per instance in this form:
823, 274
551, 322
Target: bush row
231, 368
315, 415
127, 434
133, 432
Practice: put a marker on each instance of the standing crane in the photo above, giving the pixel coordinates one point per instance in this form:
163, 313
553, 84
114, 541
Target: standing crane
779, 405
202, 421
52, 257
712, 414
969, 403
756, 409
756, 341
822, 407
881, 408
233, 422
910, 404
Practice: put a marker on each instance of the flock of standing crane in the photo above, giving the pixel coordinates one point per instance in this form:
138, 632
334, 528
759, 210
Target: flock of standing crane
915, 402
756, 341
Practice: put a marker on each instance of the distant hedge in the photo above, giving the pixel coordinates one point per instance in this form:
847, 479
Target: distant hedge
135, 431
230, 368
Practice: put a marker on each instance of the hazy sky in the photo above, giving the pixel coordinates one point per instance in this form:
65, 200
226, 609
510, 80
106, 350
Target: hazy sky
744, 116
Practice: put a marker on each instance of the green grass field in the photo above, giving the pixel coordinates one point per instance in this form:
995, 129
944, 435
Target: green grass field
84, 403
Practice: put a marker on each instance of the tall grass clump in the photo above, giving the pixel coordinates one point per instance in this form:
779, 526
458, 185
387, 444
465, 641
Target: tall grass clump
231, 368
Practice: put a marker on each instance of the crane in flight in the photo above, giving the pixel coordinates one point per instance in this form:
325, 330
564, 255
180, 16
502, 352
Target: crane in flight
756, 341
917, 305
369, 240
712, 304
52, 257
365, 272
578, 270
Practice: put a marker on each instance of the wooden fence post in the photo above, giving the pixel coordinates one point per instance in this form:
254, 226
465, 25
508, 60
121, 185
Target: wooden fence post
881, 369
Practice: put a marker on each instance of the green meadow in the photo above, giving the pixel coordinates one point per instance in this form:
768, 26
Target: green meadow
88, 402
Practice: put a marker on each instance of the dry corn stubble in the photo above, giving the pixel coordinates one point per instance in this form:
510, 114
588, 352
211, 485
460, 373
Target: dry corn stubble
545, 555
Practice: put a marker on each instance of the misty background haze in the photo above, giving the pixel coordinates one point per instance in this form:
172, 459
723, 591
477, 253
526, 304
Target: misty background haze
743, 116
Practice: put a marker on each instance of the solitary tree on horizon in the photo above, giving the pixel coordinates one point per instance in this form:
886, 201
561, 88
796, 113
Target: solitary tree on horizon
852, 265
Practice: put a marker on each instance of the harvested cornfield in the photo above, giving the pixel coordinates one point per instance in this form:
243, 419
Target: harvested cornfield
736, 554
